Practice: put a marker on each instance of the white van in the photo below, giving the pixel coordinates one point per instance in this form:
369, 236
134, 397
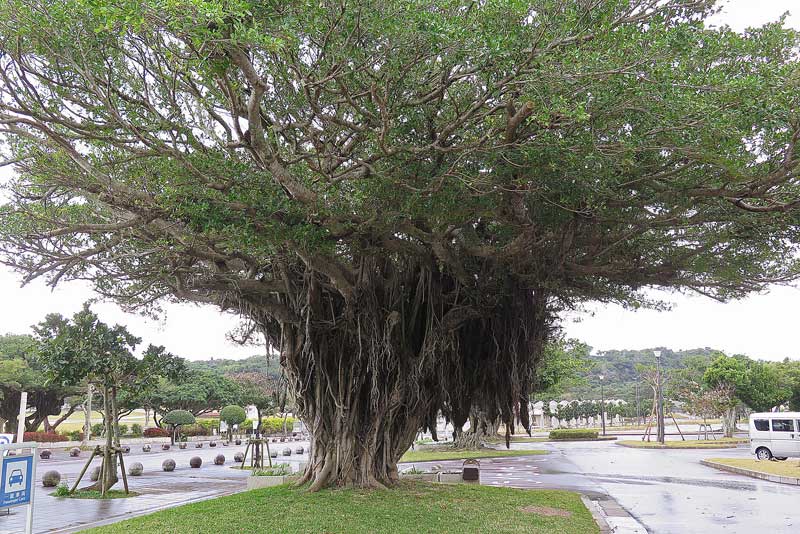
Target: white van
775, 435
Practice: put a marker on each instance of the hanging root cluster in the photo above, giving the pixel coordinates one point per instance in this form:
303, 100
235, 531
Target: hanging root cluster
410, 343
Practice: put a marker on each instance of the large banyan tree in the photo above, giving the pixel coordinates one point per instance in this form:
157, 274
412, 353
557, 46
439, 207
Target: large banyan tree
399, 195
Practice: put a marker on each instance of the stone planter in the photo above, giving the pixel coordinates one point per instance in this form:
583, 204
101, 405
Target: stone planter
219, 459
195, 462
450, 477
265, 482
168, 465
423, 477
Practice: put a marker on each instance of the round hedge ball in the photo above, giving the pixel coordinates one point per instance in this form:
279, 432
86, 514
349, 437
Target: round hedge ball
94, 475
195, 462
74, 452
165, 447
238, 457
219, 459
45, 454
168, 465
146, 447
135, 469
51, 479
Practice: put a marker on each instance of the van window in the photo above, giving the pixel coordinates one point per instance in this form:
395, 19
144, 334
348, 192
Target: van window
762, 424
782, 425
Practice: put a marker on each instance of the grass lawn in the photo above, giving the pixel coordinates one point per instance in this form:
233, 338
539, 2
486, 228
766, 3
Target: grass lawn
410, 509
788, 468
722, 443
448, 453
94, 494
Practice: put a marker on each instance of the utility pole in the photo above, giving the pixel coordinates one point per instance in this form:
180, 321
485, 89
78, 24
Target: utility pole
659, 398
602, 404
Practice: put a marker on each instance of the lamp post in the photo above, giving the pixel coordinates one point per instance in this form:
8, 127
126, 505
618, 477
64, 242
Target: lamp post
602, 404
659, 398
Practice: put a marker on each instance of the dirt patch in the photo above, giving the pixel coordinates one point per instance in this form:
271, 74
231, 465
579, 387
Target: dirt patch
546, 511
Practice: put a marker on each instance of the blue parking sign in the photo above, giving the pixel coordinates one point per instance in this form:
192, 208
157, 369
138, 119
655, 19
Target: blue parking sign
16, 485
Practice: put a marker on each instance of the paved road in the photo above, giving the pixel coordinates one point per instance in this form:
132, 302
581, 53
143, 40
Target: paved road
669, 491
158, 489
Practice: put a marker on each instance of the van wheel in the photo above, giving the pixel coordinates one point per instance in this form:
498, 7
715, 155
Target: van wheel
763, 453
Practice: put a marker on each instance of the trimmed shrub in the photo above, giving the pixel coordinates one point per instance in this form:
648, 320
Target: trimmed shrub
573, 433
219, 459
45, 437
195, 430
274, 424
51, 479
135, 469
98, 429
209, 424
123, 430
168, 465
233, 415
195, 462
155, 432
136, 430
75, 435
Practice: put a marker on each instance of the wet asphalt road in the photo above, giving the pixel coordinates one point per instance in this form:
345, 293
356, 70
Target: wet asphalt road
669, 491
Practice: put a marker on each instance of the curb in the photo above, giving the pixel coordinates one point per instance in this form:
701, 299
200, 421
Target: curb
606, 438
611, 517
792, 481
693, 448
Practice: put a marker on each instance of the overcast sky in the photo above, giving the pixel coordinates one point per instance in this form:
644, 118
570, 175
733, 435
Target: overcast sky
761, 326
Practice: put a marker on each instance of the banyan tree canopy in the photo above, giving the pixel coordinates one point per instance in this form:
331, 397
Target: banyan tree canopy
399, 195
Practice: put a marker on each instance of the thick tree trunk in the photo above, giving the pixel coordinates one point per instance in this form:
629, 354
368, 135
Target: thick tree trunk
729, 422
371, 368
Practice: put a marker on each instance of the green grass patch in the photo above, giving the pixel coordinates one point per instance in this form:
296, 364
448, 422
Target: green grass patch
787, 468
411, 508
94, 494
449, 453
722, 443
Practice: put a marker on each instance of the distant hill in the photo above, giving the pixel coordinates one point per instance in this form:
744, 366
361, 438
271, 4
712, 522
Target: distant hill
258, 363
619, 367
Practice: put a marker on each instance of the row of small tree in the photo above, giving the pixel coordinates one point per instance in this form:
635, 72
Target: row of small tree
581, 411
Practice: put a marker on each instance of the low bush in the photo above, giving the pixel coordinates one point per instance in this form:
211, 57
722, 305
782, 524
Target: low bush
274, 471
123, 430
573, 433
45, 437
209, 424
155, 432
75, 435
195, 430
274, 425
98, 429
136, 430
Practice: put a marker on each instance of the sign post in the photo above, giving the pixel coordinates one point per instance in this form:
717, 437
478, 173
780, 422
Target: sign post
17, 476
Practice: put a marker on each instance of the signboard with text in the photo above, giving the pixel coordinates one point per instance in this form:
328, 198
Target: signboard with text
16, 485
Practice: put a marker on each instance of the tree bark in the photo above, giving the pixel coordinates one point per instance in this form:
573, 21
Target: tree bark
87, 413
109, 471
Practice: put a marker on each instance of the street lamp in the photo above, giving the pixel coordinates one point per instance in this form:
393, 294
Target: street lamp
659, 398
602, 404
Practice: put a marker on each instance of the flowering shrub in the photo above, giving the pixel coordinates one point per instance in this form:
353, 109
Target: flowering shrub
45, 437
